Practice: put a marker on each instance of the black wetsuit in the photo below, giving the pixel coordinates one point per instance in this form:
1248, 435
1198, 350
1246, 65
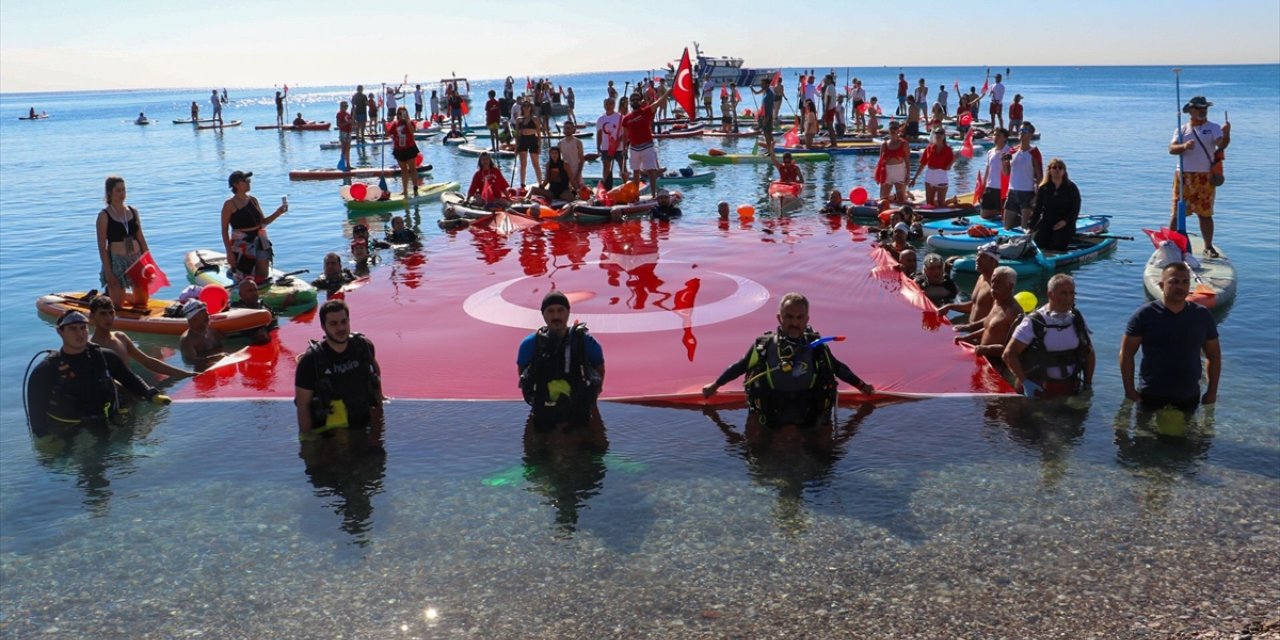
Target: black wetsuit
72, 390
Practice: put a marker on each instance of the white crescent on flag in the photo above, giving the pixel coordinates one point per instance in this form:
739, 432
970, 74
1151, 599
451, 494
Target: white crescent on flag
682, 92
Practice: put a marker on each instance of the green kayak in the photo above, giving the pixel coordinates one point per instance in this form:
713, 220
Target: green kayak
747, 158
425, 193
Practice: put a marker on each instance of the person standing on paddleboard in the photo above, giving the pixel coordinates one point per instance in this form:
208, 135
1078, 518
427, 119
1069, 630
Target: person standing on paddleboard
359, 113
1200, 143
217, 107
244, 229
405, 150
120, 244
638, 127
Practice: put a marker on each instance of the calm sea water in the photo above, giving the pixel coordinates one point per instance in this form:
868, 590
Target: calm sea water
208, 517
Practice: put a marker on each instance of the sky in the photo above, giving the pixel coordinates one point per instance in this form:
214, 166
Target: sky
80, 44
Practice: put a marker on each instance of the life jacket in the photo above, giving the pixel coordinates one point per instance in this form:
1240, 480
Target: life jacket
333, 408
1037, 361
777, 406
559, 383
64, 404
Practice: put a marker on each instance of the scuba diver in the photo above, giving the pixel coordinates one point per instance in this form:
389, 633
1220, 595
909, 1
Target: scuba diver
338, 382
78, 384
791, 374
561, 368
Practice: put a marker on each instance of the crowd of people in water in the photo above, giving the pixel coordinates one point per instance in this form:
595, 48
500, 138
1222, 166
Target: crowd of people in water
790, 376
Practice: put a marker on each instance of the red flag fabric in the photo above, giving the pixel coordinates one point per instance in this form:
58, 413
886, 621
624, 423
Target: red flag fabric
1004, 186
146, 270
682, 90
979, 187
286, 89
466, 108
985, 85
792, 139
957, 86
528, 83
777, 79
966, 149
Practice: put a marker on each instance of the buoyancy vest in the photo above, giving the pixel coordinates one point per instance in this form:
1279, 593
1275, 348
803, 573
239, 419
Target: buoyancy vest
559, 383
789, 382
66, 407
1037, 361
348, 406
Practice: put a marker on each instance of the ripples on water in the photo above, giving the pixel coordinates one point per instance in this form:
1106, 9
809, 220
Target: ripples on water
210, 515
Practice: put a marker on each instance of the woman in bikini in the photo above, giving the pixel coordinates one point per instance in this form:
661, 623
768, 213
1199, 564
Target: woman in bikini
120, 244
244, 230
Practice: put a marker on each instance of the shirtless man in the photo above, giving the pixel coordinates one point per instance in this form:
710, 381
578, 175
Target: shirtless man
201, 344
980, 300
998, 326
571, 151
102, 315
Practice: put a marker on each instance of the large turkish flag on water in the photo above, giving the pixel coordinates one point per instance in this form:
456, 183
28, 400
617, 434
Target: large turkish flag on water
673, 304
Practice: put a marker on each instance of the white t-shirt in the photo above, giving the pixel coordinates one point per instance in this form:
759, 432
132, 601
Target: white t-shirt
1196, 159
417, 96
607, 130
391, 101
811, 92
1058, 336
997, 92
922, 93
995, 166
942, 98
1022, 170
829, 97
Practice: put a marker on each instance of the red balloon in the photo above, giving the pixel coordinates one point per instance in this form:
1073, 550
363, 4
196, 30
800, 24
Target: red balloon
858, 196
358, 191
965, 119
215, 297
417, 162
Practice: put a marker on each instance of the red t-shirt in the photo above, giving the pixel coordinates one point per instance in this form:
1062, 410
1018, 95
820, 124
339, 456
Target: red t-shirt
492, 112
344, 121
1015, 111
939, 159
497, 182
789, 173
639, 126
401, 134
902, 87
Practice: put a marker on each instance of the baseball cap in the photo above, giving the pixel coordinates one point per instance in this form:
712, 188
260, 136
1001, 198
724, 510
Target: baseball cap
193, 307
72, 317
237, 176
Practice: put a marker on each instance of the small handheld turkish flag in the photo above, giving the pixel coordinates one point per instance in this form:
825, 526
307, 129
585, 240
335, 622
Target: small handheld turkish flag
682, 91
146, 271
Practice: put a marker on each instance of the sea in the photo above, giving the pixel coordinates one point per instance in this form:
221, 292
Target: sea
939, 517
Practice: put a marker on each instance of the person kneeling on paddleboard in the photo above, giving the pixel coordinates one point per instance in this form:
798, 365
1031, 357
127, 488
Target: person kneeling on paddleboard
561, 368
78, 385
1051, 354
791, 373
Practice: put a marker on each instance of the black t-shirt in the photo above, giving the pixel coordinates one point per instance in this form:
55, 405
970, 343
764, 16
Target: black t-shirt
1171, 346
352, 376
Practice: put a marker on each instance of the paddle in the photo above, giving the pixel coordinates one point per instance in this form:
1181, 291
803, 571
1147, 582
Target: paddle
1182, 183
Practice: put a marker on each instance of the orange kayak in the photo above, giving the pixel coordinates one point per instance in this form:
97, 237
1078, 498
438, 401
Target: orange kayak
152, 319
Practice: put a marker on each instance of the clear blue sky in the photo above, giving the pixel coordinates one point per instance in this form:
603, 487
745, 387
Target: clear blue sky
82, 44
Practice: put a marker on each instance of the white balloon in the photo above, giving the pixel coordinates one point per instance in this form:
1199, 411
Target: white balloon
373, 193
345, 192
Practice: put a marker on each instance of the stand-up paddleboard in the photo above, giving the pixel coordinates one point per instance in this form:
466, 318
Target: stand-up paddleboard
153, 318
1213, 282
282, 292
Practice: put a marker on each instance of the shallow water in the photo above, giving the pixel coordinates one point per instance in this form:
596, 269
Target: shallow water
984, 518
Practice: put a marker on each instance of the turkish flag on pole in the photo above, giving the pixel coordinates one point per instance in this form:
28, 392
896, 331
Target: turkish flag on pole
145, 270
957, 86
682, 91
966, 150
985, 85
777, 79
